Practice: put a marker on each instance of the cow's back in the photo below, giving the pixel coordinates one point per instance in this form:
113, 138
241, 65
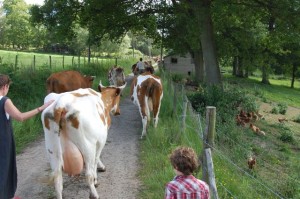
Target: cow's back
67, 81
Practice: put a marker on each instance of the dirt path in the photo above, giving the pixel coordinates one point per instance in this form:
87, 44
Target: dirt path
120, 156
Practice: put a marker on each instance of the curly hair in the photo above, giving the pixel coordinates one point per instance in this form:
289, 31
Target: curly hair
184, 159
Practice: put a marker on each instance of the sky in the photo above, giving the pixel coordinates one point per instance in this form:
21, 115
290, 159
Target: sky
38, 2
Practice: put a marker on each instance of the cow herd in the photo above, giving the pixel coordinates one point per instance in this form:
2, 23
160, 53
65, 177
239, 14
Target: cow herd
77, 122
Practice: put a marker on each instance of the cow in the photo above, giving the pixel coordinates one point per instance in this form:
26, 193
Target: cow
75, 127
116, 76
147, 92
68, 81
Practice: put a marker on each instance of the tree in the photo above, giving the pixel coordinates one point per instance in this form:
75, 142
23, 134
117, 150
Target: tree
17, 27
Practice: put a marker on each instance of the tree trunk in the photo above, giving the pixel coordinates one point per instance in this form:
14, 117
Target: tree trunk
199, 66
213, 74
293, 75
235, 63
265, 76
89, 54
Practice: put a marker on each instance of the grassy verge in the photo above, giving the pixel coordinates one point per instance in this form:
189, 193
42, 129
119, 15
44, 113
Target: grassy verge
277, 170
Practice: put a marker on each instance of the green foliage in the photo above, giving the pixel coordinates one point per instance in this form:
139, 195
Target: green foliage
282, 107
275, 110
287, 136
297, 119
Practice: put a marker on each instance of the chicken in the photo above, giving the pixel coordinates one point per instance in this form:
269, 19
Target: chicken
254, 128
262, 133
281, 120
251, 162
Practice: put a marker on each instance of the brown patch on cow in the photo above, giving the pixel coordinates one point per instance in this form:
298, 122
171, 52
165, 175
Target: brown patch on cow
79, 94
74, 120
47, 123
47, 117
93, 92
102, 118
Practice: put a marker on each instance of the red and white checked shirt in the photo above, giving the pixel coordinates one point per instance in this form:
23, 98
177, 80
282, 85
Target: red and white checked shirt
187, 187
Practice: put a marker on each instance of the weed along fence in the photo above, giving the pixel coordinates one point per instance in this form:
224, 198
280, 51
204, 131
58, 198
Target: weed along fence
225, 176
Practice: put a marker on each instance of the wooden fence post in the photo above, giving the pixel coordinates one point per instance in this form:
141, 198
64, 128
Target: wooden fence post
72, 61
208, 139
16, 62
63, 62
211, 174
50, 62
33, 62
185, 103
175, 101
116, 61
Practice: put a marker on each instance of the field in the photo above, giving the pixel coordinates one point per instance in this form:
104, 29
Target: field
277, 170
54, 62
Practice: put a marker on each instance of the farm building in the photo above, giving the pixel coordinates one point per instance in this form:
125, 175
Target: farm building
179, 64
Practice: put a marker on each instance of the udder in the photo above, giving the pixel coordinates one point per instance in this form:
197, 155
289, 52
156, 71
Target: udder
73, 160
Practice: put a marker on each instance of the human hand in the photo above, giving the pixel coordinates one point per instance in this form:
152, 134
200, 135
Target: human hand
45, 105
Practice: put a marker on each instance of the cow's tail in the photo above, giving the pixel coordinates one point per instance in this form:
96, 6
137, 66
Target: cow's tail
53, 143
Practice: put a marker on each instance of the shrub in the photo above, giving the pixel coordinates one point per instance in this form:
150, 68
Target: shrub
297, 119
287, 136
275, 110
282, 108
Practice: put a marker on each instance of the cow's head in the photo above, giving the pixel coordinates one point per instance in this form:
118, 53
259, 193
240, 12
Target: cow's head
89, 80
111, 97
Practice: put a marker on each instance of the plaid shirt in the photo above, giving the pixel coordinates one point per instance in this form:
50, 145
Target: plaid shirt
186, 187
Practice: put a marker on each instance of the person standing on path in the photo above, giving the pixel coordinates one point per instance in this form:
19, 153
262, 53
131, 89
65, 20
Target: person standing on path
8, 167
185, 185
141, 66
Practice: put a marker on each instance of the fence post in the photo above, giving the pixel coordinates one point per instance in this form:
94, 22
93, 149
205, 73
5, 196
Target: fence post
63, 62
16, 62
33, 62
175, 101
185, 103
211, 174
50, 62
79, 61
72, 61
116, 61
208, 139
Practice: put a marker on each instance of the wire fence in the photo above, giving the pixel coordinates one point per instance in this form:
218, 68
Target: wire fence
182, 109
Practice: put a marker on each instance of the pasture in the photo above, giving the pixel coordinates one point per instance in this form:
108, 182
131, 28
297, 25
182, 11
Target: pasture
276, 173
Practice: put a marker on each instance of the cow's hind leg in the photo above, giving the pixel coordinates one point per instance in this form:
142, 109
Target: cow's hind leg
58, 183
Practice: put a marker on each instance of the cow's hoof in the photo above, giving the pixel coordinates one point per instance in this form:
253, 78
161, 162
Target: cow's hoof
101, 169
94, 197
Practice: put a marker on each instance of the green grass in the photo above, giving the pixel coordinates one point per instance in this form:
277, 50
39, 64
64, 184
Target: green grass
277, 169
278, 91
38, 61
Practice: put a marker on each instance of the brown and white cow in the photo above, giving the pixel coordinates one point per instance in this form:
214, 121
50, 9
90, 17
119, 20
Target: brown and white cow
68, 81
146, 92
75, 127
116, 76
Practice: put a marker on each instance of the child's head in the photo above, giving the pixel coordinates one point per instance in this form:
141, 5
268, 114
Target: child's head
4, 80
184, 159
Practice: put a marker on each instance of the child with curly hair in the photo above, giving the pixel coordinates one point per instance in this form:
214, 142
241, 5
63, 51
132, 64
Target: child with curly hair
185, 185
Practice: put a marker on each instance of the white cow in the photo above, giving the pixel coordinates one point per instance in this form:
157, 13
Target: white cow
75, 127
147, 92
